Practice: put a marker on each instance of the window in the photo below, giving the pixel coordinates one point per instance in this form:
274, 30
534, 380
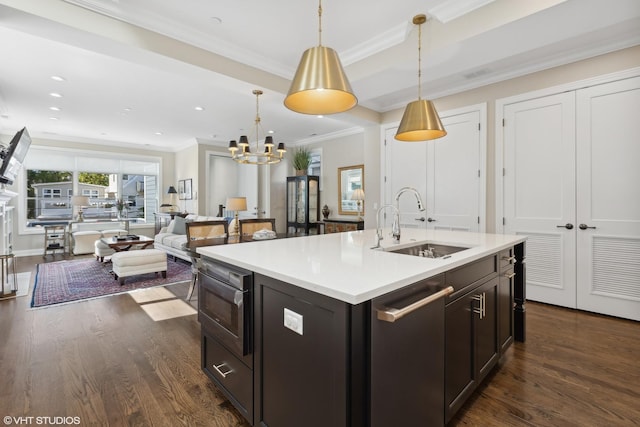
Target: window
104, 179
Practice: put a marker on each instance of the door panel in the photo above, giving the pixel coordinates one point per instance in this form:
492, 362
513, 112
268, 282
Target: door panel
444, 171
539, 192
231, 179
453, 175
609, 198
406, 167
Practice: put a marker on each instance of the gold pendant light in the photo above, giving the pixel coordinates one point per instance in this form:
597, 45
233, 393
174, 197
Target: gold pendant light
420, 121
320, 85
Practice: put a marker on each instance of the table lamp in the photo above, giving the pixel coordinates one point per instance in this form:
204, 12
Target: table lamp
358, 196
172, 195
80, 202
236, 204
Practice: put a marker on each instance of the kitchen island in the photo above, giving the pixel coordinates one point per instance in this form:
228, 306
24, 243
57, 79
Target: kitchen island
338, 333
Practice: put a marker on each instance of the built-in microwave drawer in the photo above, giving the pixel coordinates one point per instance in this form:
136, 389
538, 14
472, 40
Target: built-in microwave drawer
230, 375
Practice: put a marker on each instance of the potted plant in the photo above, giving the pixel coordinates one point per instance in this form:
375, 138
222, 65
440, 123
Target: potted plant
301, 160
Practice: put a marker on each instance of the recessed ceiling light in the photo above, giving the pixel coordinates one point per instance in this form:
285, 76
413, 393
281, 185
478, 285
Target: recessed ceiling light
54, 108
58, 78
158, 133
216, 20
55, 95
320, 116
199, 108
53, 118
271, 131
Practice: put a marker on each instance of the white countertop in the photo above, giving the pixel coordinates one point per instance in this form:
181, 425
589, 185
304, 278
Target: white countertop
343, 265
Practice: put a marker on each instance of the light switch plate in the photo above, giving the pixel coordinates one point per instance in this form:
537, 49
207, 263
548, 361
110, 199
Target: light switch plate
293, 321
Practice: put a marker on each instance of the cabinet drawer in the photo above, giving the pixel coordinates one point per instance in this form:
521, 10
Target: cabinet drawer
232, 377
465, 278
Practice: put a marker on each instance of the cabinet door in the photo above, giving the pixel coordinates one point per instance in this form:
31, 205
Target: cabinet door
459, 367
505, 308
471, 347
485, 319
304, 372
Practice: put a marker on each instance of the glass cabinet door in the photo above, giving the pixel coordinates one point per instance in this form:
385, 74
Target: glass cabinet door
303, 201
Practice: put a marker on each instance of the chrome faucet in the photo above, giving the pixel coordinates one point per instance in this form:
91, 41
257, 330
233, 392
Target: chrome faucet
395, 228
418, 199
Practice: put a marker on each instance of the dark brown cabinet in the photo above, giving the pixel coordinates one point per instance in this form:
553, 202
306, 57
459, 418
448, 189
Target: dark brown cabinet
506, 299
303, 203
471, 330
303, 376
341, 225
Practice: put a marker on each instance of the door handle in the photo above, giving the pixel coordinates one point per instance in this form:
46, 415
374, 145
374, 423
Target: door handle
431, 219
584, 227
420, 219
568, 226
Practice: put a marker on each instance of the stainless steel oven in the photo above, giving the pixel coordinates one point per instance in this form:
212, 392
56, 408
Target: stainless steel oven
224, 305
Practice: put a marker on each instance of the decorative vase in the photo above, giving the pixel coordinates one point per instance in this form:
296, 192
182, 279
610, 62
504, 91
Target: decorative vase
325, 211
301, 172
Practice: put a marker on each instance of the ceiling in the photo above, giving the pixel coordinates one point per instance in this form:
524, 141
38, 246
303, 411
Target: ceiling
135, 70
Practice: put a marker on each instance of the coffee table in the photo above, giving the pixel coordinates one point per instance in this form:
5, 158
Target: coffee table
120, 244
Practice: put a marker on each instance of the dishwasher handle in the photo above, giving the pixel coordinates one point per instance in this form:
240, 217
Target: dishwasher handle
393, 314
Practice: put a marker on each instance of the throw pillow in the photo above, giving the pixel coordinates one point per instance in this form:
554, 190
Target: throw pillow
171, 226
180, 226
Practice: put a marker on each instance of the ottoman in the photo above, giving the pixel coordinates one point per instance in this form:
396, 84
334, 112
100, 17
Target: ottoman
130, 263
83, 241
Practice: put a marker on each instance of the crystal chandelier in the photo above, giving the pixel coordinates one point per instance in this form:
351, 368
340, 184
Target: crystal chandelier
261, 154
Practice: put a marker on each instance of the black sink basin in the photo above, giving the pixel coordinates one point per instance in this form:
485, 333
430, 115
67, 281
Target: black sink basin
427, 250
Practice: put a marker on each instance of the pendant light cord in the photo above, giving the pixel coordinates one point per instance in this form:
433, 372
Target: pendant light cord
419, 62
319, 22
257, 118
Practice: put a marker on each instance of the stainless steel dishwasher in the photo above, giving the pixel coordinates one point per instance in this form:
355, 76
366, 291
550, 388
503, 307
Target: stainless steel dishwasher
407, 355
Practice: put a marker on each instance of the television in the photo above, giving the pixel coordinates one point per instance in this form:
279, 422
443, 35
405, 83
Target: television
13, 156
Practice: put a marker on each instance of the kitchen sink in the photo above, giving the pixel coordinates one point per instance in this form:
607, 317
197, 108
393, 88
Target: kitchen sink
427, 250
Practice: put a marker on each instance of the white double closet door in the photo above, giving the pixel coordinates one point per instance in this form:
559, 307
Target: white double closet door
449, 174
572, 184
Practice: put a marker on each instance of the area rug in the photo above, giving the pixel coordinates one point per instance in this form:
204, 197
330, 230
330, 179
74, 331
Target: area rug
67, 281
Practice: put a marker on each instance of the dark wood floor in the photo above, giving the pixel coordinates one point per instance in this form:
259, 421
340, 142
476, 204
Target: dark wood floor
106, 362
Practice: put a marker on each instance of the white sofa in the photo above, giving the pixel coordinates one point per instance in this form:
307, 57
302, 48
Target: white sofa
173, 238
83, 241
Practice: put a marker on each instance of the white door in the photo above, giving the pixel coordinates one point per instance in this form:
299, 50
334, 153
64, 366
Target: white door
227, 178
406, 166
539, 192
608, 190
444, 171
454, 175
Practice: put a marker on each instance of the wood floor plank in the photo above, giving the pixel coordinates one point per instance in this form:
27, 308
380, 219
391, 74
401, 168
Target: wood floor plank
107, 362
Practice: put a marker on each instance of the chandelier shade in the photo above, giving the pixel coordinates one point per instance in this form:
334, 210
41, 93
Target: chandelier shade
242, 152
420, 121
320, 85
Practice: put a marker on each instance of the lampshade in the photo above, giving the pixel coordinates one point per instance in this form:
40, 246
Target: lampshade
358, 194
236, 203
420, 121
80, 201
172, 190
320, 85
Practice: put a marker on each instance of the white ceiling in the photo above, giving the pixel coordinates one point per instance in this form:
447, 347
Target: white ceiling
134, 68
